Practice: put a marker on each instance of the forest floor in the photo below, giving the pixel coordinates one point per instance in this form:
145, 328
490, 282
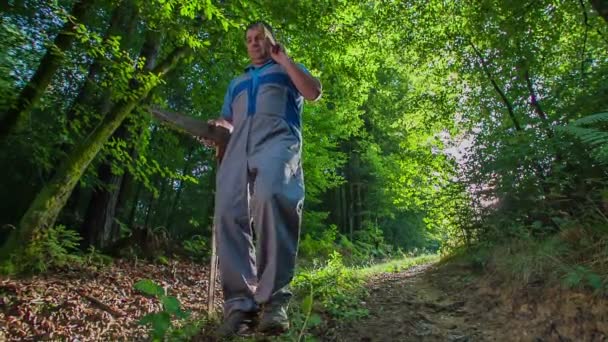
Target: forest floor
90, 304
429, 302
452, 303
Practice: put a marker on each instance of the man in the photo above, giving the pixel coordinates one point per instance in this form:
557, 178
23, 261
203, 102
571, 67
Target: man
260, 182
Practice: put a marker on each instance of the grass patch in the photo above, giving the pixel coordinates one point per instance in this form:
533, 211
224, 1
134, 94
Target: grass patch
575, 257
397, 265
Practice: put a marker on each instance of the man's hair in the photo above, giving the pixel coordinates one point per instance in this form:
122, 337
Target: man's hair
262, 25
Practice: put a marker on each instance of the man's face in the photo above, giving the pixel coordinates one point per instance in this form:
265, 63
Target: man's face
258, 47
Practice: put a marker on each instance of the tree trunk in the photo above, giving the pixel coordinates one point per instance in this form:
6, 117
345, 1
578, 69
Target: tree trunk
43, 212
601, 6
123, 24
148, 211
126, 192
158, 214
50, 63
134, 204
102, 208
97, 226
176, 198
351, 211
356, 190
343, 208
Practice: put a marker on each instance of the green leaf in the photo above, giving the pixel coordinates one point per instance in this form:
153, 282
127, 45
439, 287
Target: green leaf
148, 287
594, 280
160, 322
314, 320
172, 306
307, 304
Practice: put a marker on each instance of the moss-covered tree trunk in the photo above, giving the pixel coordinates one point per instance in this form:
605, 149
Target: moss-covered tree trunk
123, 23
50, 63
43, 212
97, 227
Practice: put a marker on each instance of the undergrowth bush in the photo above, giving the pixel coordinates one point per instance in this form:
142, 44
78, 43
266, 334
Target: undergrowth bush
53, 248
196, 247
337, 289
50, 248
576, 256
172, 322
367, 246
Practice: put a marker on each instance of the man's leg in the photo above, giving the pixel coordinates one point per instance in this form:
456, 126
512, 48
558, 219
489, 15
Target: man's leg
235, 245
276, 205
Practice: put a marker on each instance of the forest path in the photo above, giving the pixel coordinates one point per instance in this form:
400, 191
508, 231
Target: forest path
450, 303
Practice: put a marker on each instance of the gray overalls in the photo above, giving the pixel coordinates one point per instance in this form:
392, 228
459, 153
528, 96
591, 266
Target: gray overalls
260, 181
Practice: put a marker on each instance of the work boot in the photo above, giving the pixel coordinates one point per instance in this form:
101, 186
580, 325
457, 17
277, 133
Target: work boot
238, 323
274, 319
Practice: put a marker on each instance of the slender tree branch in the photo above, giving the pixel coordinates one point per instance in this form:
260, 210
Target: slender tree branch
586, 19
534, 101
501, 93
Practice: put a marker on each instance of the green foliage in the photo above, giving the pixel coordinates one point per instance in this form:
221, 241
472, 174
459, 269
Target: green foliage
150, 288
321, 247
581, 276
592, 130
443, 125
161, 322
337, 289
196, 247
577, 256
95, 258
50, 248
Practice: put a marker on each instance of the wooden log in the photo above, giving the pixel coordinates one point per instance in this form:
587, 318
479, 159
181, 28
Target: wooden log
212, 273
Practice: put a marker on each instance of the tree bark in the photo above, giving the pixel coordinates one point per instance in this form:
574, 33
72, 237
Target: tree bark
32, 93
102, 208
343, 208
601, 6
178, 193
134, 203
43, 212
97, 226
162, 198
122, 23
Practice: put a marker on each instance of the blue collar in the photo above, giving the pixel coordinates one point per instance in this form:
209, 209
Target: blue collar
269, 62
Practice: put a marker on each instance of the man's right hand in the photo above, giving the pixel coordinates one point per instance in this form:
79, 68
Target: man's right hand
222, 123
215, 122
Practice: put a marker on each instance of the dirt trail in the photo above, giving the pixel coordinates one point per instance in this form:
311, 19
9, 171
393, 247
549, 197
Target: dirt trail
428, 303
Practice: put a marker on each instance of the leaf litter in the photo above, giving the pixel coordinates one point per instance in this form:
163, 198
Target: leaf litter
89, 304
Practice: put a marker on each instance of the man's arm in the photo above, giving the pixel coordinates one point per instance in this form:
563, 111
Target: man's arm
306, 84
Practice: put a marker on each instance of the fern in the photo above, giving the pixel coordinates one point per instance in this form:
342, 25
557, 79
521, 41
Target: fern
590, 136
53, 247
593, 119
588, 130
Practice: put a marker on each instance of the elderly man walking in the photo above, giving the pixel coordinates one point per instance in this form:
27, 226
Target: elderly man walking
260, 183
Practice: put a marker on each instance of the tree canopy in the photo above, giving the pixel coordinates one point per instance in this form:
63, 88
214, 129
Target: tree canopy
442, 124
